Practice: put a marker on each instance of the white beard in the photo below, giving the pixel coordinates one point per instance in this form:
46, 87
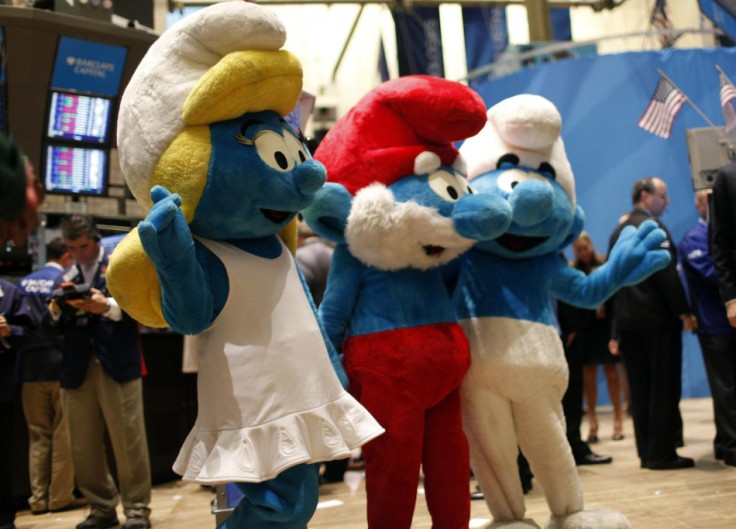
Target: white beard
391, 236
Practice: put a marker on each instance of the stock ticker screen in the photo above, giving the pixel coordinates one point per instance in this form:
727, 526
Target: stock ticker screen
79, 117
72, 169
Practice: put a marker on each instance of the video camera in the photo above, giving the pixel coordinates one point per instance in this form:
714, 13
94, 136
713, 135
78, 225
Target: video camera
70, 291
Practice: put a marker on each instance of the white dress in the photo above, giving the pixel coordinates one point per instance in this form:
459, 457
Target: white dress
268, 395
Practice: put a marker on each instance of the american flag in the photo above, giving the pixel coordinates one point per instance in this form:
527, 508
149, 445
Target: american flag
728, 92
666, 102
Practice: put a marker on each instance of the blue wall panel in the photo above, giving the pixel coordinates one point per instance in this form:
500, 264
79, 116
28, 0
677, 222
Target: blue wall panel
601, 99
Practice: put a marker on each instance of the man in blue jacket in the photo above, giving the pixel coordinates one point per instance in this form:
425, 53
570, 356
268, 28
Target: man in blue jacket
716, 336
50, 466
101, 385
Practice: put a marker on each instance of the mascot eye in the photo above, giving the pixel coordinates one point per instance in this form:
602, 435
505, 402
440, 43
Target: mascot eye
273, 150
464, 185
508, 180
296, 149
447, 186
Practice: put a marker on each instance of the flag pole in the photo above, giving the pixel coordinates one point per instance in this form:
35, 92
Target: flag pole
720, 70
720, 132
687, 98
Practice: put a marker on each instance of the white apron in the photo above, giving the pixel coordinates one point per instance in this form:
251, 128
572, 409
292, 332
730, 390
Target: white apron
268, 395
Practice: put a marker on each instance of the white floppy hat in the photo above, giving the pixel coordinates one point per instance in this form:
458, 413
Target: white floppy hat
526, 125
198, 72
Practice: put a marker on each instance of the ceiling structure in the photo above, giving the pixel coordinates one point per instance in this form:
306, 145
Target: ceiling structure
540, 28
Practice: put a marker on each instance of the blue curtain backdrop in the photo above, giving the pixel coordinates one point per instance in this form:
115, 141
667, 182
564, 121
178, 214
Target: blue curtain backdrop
601, 99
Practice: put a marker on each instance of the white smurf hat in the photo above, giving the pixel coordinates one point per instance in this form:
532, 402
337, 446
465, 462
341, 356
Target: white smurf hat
213, 65
525, 125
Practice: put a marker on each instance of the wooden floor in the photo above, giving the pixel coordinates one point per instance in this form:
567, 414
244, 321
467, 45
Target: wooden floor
703, 497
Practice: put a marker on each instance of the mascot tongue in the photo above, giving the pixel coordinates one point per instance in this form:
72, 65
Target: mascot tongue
519, 243
516, 242
274, 215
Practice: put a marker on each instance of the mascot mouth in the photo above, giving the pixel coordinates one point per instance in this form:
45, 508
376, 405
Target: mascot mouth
432, 250
519, 243
275, 216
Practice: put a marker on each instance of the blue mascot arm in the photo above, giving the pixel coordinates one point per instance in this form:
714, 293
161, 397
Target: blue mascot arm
186, 300
636, 255
343, 285
335, 358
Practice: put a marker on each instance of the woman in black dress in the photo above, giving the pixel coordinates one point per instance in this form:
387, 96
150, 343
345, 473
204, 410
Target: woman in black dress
592, 339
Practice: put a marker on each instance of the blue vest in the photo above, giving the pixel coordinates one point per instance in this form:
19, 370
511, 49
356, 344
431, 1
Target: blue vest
116, 343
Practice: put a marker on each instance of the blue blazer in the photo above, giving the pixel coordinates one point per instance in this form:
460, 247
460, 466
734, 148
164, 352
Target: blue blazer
116, 343
40, 357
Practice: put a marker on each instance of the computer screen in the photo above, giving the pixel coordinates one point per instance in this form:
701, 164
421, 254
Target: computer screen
78, 117
78, 170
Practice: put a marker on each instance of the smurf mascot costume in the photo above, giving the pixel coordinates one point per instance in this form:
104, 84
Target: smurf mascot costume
512, 394
203, 144
398, 205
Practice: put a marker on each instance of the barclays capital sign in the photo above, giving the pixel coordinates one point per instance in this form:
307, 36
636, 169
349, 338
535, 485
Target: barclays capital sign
88, 66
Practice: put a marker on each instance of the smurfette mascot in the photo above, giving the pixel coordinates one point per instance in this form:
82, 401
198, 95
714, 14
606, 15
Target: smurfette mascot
511, 396
205, 148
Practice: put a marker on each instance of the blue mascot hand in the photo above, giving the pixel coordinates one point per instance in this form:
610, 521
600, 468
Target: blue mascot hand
481, 217
167, 241
638, 253
164, 234
328, 213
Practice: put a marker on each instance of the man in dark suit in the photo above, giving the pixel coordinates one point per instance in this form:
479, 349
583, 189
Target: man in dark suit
723, 236
101, 385
720, 349
648, 321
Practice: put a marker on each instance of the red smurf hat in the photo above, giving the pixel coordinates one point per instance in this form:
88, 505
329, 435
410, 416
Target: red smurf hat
379, 139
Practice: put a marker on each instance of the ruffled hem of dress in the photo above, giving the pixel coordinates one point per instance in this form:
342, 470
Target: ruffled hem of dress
261, 453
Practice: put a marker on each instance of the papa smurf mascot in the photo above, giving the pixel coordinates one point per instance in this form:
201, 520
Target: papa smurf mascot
398, 205
511, 396
203, 144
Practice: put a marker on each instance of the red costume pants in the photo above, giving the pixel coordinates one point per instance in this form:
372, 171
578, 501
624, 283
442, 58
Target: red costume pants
408, 379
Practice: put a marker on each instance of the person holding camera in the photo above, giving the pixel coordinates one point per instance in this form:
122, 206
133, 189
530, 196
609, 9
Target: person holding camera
101, 384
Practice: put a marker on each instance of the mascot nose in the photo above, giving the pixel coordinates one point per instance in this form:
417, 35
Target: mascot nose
532, 202
481, 216
309, 177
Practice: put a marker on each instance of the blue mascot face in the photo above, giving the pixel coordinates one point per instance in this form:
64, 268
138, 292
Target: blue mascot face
264, 176
419, 221
544, 218
440, 189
